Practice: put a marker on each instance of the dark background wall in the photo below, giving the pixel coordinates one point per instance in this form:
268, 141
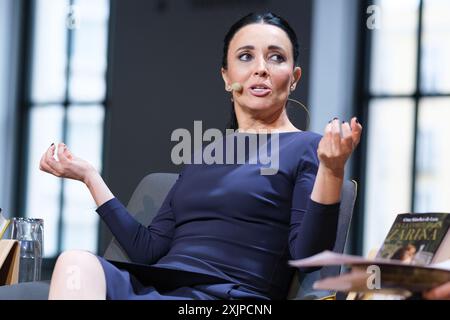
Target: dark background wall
164, 73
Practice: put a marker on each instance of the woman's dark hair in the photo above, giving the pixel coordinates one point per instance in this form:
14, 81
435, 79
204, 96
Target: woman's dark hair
400, 253
264, 18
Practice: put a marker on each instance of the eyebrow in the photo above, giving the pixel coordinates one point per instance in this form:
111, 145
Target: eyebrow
249, 47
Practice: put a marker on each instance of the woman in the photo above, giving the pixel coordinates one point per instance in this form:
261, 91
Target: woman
405, 254
226, 230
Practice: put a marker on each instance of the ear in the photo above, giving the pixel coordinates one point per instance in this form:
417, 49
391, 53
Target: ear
297, 75
225, 77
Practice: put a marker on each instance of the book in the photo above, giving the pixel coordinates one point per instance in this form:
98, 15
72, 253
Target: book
9, 262
414, 257
395, 276
4, 223
418, 238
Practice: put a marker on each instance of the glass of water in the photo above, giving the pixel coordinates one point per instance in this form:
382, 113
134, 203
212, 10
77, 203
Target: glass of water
30, 234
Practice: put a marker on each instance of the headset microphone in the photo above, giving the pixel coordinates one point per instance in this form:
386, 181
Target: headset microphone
236, 86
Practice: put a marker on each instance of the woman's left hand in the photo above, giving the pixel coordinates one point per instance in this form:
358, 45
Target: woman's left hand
335, 149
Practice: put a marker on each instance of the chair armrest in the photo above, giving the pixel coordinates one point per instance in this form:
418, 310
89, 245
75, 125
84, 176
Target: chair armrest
25, 291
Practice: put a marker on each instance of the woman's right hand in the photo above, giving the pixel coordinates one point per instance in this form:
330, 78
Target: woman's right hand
67, 165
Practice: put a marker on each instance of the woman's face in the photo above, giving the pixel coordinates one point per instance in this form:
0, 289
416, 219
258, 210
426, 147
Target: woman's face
409, 255
260, 58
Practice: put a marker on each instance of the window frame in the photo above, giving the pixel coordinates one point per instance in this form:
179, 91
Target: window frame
363, 98
25, 106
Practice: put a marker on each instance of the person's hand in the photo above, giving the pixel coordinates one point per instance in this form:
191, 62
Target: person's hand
67, 165
441, 292
334, 149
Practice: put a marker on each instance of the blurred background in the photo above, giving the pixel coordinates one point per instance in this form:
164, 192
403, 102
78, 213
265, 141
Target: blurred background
114, 78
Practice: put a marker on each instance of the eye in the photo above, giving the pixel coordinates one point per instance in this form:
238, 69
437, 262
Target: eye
277, 58
245, 57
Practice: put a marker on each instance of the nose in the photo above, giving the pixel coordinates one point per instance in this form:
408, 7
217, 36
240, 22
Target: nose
261, 68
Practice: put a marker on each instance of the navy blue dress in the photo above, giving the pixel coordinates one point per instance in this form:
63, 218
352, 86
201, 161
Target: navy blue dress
225, 231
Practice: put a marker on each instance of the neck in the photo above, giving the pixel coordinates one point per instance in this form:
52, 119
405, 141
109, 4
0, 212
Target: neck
257, 121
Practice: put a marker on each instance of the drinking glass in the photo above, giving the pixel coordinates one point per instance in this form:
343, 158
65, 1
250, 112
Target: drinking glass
29, 232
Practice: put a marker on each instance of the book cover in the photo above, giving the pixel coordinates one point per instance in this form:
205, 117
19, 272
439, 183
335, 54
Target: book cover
416, 238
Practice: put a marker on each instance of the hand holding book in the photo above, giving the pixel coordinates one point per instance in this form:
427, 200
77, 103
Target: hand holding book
441, 292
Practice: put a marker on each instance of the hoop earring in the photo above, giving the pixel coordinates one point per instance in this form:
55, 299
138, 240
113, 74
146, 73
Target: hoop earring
308, 118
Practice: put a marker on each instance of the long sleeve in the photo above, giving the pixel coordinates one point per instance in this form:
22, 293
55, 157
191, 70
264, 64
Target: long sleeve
313, 225
142, 244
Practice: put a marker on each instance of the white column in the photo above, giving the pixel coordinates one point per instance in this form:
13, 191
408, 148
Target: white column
9, 56
333, 56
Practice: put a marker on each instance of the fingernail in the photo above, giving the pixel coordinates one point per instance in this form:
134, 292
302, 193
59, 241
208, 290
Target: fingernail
52, 145
335, 118
343, 121
356, 119
329, 121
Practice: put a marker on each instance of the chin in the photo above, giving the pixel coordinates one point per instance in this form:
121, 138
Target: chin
260, 104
